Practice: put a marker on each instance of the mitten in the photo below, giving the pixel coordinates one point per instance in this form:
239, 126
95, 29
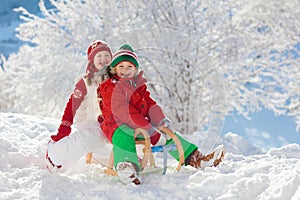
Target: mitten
166, 123
63, 131
157, 139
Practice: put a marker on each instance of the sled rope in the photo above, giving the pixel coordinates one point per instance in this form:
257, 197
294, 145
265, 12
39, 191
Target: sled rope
178, 144
164, 150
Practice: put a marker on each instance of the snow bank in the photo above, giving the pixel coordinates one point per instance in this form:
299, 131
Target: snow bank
243, 175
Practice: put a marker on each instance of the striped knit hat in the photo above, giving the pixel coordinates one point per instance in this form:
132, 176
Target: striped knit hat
95, 47
125, 53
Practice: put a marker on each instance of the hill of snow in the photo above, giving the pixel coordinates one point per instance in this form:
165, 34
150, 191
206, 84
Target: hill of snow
245, 174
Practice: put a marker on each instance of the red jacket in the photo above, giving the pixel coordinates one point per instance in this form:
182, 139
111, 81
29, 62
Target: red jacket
127, 101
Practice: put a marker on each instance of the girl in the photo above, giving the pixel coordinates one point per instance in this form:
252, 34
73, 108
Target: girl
82, 107
126, 105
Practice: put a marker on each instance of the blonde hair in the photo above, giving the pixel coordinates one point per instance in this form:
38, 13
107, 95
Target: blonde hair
90, 75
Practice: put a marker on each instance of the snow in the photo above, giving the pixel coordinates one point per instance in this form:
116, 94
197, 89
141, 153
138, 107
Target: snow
246, 172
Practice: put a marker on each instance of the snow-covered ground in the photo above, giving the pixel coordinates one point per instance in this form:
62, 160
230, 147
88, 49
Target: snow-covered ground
246, 175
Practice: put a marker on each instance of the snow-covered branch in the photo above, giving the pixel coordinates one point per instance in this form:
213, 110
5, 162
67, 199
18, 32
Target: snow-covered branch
203, 59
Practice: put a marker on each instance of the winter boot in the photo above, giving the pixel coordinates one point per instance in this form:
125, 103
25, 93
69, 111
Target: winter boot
50, 166
127, 172
198, 160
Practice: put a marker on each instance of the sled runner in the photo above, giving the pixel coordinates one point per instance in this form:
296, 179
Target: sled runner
148, 151
129, 172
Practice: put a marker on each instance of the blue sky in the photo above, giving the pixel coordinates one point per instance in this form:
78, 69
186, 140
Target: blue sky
264, 130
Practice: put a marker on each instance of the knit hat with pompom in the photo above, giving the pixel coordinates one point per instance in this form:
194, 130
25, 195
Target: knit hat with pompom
125, 53
95, 47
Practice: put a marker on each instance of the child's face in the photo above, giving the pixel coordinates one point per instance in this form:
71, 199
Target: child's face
126, 69
101, 59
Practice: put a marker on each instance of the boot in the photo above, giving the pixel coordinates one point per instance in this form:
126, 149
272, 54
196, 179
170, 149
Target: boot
197, 160
127, 172
50, 166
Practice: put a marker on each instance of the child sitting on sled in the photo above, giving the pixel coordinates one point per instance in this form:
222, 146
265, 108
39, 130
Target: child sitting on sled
82, 109
126, 105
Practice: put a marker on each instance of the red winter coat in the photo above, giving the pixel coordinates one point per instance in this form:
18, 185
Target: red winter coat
127, 101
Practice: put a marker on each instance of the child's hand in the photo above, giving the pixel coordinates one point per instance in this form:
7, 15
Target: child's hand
166, 123
57, 137
63, 131
158, 139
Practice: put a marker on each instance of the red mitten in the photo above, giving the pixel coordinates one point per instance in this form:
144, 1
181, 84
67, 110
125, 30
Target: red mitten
63, 131
157, 139
154, 137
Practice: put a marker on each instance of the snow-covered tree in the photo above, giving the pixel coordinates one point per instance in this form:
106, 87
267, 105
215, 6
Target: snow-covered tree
40, 77
203, 59
253, 45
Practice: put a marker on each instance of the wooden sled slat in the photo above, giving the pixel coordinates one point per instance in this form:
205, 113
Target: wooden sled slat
178, 144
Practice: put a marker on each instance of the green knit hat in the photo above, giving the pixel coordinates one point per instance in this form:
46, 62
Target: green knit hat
125, 53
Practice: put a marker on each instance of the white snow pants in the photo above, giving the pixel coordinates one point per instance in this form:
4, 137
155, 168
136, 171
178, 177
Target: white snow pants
73, 147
